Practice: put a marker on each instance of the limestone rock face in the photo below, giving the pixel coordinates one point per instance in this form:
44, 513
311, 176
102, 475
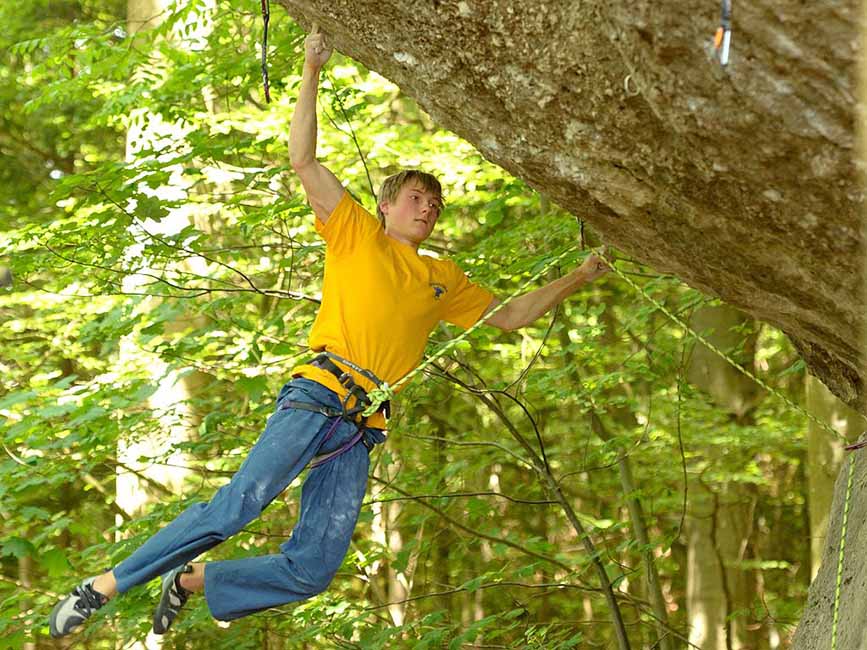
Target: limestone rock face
740, 179
816, 627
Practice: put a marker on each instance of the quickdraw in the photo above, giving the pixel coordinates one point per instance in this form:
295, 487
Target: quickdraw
722, 40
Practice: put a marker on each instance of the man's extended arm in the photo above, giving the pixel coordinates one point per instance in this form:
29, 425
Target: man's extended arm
322, 187
525, 309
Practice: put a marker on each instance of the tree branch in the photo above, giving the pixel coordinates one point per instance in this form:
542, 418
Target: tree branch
454, 495
476, 533
544, 472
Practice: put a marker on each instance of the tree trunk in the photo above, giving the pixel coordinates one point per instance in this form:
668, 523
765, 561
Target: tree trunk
170, 401
719, 518
385, 531
717, 529
25, 570
651, 583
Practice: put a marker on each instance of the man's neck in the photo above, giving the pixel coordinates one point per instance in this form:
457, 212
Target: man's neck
403, 240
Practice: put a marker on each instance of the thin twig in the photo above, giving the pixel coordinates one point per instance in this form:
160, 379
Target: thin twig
456, 495
478, 443
479, 534
490, 585
352, 133
544, 471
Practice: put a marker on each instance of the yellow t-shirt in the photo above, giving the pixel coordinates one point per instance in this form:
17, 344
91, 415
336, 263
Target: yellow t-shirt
381, 300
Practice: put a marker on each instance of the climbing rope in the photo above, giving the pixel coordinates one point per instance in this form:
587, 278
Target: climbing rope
848, 498
387, 391
717, 351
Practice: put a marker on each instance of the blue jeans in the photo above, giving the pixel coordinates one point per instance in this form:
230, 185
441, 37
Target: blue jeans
330, 501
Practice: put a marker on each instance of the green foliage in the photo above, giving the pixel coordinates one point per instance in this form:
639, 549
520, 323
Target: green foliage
157, 236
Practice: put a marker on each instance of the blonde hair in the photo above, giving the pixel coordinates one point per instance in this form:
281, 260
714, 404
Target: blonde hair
392, 185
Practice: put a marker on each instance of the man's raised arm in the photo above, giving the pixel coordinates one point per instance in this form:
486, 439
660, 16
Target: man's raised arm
322, 187
525, 309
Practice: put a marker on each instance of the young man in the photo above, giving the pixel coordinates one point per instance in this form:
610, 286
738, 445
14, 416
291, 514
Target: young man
380, 301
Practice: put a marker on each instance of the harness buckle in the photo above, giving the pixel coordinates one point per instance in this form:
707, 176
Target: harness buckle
344, 377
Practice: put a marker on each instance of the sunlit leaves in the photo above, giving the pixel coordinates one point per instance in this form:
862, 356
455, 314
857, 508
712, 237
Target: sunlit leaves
197, 250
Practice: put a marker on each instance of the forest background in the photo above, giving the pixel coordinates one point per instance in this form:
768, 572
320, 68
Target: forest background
161, 272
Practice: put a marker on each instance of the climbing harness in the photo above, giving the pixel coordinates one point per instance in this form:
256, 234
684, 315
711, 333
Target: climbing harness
722, 40
266, 17
345, 413
338, 418
349, 444
362, 400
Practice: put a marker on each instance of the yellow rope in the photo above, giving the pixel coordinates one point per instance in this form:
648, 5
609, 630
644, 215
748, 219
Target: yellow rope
719, 352
838, 583
851, 464
386, 391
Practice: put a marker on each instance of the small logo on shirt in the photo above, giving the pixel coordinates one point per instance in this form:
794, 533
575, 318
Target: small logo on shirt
438, 289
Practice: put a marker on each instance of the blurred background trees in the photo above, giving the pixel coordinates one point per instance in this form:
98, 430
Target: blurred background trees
160, 273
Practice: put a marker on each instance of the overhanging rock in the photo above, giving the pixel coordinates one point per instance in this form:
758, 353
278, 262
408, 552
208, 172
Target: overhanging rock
739, 180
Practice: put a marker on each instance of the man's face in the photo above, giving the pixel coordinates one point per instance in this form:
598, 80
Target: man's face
411, 217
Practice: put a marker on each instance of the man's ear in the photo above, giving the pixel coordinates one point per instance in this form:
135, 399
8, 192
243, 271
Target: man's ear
383, 207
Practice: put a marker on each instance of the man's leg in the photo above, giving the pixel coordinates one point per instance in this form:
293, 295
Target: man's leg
330, 502
291, 438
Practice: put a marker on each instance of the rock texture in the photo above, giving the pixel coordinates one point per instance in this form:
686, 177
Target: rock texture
739, 180
815, 629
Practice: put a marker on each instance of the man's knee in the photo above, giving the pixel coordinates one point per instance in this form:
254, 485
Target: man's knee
311, 578
318, 577
320, 583
226, 516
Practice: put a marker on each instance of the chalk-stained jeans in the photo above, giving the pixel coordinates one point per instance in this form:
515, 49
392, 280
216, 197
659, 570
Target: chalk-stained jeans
330, 501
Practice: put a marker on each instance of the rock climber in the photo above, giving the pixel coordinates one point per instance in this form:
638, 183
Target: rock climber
381, 299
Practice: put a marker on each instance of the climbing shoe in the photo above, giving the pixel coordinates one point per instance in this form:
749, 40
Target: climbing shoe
75, 609
172, 599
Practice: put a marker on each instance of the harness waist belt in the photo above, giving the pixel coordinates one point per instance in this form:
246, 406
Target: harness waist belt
362, 401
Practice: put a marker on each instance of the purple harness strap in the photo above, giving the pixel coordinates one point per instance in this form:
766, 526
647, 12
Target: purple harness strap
324, 458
